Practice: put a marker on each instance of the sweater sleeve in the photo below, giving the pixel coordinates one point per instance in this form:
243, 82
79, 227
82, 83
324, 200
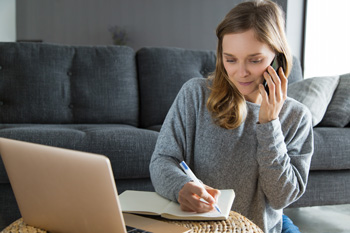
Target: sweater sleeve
284, 156
174, 143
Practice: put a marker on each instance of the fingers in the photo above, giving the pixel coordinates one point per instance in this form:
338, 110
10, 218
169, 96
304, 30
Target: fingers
272, 104
213, 192
277, 84
270, 83
196, 198
193, 204
263, 93
284, 83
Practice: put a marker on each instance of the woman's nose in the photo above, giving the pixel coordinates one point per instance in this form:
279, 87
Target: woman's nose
242, 70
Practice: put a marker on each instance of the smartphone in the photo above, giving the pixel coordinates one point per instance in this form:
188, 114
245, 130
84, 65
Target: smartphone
277, 62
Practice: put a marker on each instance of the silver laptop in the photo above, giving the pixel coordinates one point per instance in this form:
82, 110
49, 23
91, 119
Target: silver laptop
61, 190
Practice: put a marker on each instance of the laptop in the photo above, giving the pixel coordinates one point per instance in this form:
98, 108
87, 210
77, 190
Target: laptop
61, 190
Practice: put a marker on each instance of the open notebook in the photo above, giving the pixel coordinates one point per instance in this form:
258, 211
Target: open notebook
150, 203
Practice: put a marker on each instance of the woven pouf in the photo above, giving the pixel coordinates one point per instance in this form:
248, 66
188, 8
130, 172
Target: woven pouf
20, 227
234, 223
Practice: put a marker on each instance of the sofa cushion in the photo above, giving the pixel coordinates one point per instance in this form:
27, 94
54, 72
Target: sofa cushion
338, 111
128, 148
162, 72
48, 83
332, 149
315, 93
326, 188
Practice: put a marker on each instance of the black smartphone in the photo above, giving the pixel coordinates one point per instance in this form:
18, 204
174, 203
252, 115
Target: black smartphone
277, 62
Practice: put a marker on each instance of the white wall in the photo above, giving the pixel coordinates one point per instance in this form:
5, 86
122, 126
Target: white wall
180, 23
295, 27
7, 20
177, 23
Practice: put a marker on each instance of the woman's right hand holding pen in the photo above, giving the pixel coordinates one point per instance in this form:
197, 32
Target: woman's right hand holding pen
190, 195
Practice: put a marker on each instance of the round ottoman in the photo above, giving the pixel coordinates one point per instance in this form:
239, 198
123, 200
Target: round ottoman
234, 223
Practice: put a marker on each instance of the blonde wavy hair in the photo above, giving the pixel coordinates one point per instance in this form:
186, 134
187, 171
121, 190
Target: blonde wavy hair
226, 104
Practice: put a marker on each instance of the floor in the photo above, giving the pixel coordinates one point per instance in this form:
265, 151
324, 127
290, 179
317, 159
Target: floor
324, 219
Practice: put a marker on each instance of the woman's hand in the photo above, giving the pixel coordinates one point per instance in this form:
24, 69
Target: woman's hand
271, 104
190, 195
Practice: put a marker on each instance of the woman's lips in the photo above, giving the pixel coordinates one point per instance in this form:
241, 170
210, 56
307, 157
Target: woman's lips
245, 83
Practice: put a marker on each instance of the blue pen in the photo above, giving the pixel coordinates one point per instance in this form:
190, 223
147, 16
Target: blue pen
196, 181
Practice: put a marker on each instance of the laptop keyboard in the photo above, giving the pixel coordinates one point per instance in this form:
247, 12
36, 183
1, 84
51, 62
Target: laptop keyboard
135, 230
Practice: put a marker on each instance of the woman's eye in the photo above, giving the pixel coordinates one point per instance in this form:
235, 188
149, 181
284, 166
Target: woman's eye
255, 61
230, 60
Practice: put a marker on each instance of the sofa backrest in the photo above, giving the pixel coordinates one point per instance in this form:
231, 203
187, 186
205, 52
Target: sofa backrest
163, 71
49, 83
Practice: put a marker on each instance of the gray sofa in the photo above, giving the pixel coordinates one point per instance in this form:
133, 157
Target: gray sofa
112, 100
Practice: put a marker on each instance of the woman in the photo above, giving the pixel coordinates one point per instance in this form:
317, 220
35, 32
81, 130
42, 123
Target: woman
231, 132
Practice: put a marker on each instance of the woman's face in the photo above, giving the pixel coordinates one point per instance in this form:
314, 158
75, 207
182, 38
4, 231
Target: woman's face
245, 60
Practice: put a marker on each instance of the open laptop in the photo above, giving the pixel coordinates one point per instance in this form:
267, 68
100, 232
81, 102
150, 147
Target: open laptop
61, 190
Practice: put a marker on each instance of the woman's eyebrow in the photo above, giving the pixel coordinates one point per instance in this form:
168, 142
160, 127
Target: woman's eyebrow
229, 55
250, 55
254, 54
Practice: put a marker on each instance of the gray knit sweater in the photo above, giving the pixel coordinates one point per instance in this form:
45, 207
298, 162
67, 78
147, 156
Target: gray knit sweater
267, 165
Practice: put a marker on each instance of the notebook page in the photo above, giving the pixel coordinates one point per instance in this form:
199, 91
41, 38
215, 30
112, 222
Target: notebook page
142, 202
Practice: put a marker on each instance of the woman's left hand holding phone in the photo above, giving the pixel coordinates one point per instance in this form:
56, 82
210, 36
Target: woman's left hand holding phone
272, 103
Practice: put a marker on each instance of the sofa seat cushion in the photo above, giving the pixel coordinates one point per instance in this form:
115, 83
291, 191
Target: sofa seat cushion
128, 148
326, 188
332, 149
